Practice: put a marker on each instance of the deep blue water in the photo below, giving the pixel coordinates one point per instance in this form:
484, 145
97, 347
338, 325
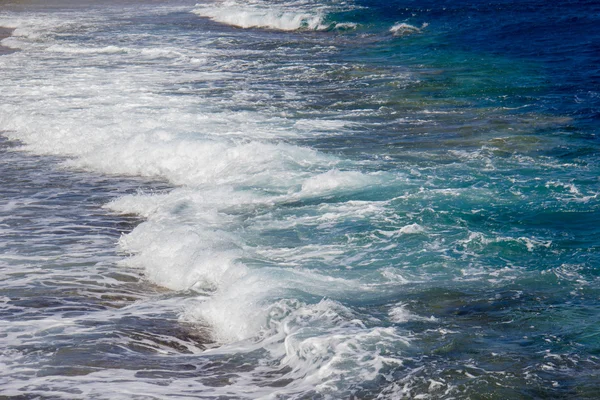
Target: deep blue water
269, 199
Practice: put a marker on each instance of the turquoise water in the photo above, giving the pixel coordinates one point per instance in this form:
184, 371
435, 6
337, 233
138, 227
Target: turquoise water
311, 200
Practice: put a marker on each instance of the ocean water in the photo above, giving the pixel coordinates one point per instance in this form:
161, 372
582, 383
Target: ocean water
306, 199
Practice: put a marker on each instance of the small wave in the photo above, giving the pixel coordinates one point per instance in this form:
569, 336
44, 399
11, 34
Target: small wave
400, 314
319, 345
87, 50
335, 181
405, 230
169, 53
403, 28
283, 18
263, 18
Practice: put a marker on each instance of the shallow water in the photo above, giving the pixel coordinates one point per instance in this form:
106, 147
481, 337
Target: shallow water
300, 200
68, 309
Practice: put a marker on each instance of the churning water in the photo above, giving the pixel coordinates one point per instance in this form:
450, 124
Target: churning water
304, 199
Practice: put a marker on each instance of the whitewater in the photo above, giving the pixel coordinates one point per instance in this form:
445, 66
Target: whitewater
279, 200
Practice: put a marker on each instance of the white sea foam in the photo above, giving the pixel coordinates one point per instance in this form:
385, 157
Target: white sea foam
324, 344
478, 240
279, 251
124, 109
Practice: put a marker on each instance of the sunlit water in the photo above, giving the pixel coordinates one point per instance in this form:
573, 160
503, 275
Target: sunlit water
300, 200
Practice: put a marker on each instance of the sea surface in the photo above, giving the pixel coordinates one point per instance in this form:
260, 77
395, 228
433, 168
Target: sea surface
308, 199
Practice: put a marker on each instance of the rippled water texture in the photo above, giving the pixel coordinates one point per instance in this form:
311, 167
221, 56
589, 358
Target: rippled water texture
293, 200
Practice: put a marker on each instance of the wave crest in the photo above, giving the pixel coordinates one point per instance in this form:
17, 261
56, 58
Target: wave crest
271, 19
289, 17
403, 28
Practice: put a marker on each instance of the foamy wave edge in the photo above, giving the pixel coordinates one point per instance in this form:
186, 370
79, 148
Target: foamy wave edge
401, 29
276, 19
